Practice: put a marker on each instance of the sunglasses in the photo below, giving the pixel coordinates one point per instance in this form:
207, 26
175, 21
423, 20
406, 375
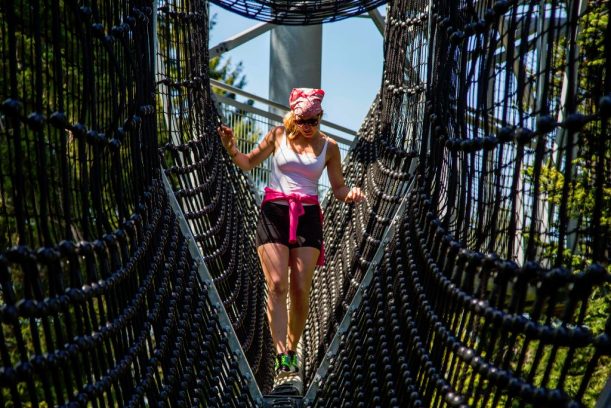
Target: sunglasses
311, 122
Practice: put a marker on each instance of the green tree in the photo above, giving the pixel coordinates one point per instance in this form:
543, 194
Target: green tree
587, 182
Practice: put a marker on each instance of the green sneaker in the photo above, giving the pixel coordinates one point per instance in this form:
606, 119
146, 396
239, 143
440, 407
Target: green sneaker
293, 361
282, 363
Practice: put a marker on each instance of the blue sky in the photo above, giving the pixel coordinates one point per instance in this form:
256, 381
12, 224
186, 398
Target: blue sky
352, 63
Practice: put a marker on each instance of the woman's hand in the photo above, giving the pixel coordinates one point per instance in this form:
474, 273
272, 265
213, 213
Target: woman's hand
226, 134
355, 195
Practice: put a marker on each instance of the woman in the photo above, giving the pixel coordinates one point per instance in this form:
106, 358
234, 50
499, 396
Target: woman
289, 232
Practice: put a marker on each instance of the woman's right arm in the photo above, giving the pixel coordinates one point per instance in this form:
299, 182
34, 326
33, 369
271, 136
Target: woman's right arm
248, 161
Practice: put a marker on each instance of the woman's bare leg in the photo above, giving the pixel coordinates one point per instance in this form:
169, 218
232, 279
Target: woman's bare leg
303, 262
275, 260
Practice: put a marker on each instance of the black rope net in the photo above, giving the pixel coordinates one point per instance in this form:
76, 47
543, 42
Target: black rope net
383, 162
101, 302
305, 12
216, 198
489, 138
495, 288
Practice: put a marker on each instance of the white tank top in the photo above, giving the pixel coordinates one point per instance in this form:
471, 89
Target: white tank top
296, 173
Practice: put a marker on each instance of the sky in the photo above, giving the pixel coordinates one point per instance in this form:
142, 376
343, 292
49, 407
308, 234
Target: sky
352, 61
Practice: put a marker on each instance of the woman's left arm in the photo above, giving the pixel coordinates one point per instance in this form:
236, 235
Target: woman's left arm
338, 185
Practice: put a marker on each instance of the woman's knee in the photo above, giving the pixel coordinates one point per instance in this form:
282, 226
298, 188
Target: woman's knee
278, 287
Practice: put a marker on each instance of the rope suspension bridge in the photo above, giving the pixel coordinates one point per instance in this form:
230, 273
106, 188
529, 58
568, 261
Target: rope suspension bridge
476, 274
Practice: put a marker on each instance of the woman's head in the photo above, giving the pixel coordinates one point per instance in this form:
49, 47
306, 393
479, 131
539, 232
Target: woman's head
306, 111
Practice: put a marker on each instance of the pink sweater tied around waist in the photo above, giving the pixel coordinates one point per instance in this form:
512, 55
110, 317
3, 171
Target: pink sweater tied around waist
296, 210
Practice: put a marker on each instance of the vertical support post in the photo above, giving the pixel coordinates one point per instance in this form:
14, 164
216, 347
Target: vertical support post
295, 61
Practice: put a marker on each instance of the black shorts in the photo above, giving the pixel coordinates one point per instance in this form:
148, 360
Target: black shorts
273, 226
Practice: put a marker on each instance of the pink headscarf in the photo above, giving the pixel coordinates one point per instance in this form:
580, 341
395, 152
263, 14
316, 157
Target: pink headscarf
306, 101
